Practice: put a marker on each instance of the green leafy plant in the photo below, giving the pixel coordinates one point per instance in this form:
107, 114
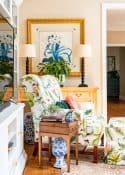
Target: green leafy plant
53, 108
54, 68
5, 67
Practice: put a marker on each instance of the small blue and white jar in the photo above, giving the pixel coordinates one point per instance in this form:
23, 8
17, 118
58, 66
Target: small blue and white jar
70, 116
59, 150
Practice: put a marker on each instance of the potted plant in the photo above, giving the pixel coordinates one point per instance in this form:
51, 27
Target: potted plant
59, 69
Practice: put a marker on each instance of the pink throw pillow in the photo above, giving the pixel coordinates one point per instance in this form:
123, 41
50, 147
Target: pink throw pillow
72, 102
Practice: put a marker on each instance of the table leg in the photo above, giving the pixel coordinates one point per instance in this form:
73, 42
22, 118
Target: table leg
40, 149
50, 148
76, 147
68, 154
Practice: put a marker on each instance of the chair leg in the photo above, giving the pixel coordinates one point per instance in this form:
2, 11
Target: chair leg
102, 140
35, 151
95, 154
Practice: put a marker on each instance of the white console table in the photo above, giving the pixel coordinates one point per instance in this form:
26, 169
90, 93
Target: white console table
12, 154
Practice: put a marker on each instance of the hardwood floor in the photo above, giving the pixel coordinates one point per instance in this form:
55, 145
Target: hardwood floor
115, 108
32, 166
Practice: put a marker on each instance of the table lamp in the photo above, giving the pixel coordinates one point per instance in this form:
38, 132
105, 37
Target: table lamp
28, 51
84, 51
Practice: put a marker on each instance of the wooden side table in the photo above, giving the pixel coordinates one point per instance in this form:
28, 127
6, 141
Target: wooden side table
59, 129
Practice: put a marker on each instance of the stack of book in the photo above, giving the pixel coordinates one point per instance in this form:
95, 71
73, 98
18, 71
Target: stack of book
58, 117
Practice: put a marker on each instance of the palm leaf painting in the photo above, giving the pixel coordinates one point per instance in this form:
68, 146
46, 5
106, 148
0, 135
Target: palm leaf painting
56, 50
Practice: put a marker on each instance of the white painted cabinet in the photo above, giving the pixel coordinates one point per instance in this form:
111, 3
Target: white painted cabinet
12, 154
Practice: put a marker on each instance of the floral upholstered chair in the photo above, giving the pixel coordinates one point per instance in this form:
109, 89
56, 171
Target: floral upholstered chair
115, 141
41, 92
45, 90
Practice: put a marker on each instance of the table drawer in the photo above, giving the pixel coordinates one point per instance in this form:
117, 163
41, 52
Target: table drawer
58, 127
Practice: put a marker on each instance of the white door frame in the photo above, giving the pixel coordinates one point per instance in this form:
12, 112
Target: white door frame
105, 7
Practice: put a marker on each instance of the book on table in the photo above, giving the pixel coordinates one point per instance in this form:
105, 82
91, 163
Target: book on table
58, 117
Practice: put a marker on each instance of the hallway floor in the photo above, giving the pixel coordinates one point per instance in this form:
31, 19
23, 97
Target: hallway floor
115, 108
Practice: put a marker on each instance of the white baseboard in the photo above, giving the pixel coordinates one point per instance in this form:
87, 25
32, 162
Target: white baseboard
122, 97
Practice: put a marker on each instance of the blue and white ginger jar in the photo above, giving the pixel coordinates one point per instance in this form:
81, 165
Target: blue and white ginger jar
59, 150
70, 116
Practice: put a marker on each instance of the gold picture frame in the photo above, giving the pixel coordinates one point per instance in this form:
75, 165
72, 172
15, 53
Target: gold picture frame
73, 26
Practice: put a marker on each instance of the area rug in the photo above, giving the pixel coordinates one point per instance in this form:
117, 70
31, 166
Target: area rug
86, 167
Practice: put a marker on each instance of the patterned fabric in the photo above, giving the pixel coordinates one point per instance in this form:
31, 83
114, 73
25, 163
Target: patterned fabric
44, 91
41, 92
115, 141
28, 128
91, 127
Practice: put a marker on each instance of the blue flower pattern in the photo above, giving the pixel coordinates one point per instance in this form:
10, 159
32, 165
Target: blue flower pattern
55, 50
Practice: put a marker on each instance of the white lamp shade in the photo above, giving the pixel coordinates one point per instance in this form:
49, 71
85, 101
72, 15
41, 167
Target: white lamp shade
84, 50
27, 50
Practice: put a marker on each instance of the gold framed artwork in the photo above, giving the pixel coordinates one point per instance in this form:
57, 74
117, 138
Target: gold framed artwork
110, 63
66, 33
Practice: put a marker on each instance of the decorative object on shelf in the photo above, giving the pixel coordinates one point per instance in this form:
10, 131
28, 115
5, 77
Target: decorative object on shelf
84, 51
27, 51
70, 116
59, 151
59, 69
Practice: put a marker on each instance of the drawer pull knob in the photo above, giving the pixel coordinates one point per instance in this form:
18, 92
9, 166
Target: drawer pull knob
78, 95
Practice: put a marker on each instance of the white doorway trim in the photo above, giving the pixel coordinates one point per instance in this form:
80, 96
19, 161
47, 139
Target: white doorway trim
105, 8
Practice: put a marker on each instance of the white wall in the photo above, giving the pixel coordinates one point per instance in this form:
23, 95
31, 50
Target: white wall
89, 10
116, 37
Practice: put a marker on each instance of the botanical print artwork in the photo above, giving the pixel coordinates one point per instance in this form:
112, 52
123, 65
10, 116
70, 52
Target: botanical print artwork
6, 46
56, 46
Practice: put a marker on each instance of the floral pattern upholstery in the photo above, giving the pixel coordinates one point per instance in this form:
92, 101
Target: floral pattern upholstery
41, 92
91, 127
115, 141
45, 90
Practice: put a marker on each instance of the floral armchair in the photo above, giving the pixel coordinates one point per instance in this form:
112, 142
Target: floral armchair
115, 141
45, 90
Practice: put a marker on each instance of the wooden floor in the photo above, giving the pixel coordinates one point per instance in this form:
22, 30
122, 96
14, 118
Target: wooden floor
32, 167
115, 108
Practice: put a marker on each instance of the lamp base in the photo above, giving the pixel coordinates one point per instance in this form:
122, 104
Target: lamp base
83, 85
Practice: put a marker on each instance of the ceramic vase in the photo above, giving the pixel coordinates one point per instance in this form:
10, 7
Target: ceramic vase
59, 150
70, 116
61, 79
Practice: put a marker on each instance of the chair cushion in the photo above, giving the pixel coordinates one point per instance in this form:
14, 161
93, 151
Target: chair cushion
63, 104
73, 103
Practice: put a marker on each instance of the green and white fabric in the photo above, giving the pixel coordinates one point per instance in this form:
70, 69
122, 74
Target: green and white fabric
44, 91
115, 141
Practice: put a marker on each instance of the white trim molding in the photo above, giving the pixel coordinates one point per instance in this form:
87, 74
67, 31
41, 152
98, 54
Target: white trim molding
115, 45
105, 7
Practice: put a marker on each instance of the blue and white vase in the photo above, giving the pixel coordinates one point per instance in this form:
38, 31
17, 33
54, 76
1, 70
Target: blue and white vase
70, 116
59, 150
